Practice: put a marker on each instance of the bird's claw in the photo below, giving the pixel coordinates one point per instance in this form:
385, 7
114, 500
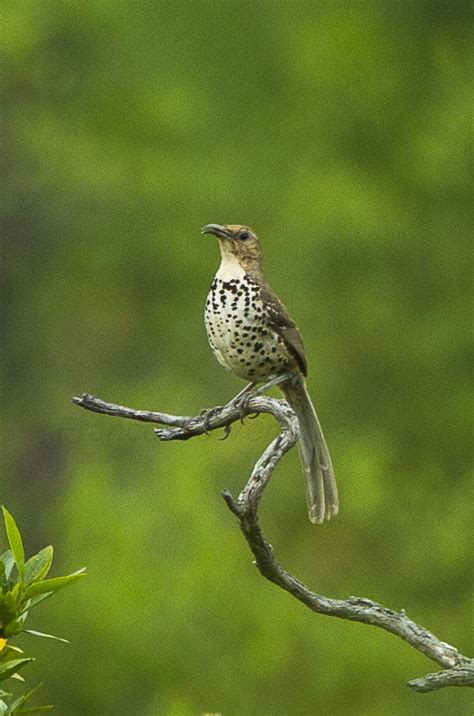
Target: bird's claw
242, 404
227, 430
207, 414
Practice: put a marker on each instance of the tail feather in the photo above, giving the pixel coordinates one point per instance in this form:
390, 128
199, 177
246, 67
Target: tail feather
321, 488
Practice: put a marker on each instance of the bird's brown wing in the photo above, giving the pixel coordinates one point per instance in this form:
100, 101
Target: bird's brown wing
282, 323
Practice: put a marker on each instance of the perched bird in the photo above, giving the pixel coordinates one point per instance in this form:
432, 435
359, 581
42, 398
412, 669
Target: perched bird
252, 335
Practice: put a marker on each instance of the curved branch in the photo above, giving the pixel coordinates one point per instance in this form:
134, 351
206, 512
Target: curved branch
458, 670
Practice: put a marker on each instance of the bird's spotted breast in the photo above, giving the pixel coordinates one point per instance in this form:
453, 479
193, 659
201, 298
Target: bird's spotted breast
238, 330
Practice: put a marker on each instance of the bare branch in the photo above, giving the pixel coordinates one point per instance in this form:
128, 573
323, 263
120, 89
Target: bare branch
458, 670
458, 676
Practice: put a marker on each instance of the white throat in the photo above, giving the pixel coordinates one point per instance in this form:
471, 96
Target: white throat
230, 268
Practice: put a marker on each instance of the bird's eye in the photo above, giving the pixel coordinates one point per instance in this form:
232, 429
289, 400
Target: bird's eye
245, 235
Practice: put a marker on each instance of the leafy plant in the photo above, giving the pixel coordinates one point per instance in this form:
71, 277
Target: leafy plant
24, 585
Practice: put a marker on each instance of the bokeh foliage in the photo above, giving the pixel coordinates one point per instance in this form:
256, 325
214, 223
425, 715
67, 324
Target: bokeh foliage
340, 131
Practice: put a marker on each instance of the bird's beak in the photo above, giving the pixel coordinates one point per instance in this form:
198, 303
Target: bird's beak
217, 230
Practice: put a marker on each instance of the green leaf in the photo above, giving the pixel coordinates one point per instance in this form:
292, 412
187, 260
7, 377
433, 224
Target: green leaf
8, 609
16, 706
36, 709
15, 591
53, 585
9, 653
8, 563
45, 636
15, 541
38, 566
12, 628
33, 602
3, 708
9, 668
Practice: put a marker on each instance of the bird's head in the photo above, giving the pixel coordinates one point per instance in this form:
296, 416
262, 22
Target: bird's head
237, 242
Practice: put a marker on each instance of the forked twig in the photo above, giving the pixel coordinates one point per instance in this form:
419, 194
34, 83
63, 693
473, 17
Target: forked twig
457, 669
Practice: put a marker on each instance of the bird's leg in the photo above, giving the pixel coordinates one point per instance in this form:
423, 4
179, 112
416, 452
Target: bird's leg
266, 386
245, 392
271, 383
241, 399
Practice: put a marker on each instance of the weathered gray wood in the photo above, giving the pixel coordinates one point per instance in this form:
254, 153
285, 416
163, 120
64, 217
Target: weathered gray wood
457, 669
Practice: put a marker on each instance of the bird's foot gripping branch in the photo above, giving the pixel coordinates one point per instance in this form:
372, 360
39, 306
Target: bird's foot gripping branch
456, 669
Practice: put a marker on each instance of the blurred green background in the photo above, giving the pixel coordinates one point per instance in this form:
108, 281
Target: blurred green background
340, 131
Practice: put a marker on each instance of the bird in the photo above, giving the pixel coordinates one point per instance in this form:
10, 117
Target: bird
253, 336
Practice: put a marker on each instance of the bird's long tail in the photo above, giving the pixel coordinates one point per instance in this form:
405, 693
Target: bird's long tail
321, 488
